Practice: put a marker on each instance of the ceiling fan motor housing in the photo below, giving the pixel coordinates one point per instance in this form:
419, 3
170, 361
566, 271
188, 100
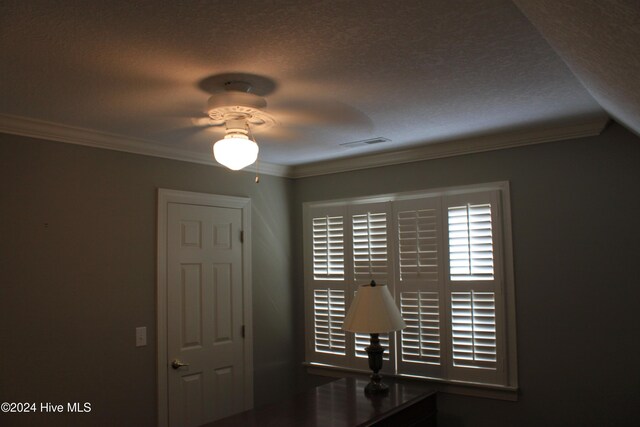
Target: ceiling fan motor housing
238, 103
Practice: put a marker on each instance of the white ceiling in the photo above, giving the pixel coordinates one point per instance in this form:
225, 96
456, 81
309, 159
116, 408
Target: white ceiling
416, 72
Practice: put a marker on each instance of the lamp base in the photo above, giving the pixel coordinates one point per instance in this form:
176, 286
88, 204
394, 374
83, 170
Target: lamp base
375, 352
376, 387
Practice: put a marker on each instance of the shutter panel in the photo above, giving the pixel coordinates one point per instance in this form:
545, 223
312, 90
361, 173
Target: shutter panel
420, 340
328, 315
417, 244
474, 287
328, 248
370, 257
419, 289
371, 261
470, 242
473, 324
326, 291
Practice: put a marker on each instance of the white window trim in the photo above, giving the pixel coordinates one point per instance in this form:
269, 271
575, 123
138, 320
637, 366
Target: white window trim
345, 206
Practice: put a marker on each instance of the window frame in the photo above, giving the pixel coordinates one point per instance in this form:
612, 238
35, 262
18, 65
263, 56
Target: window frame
506, 371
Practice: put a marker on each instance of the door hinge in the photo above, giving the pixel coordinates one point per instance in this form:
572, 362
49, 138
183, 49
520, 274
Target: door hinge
242, 331
241, 236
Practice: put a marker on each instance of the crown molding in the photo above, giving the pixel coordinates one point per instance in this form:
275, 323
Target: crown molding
453, 148
74, 135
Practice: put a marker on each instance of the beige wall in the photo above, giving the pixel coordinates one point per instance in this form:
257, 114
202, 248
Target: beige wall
575, 208
77, 275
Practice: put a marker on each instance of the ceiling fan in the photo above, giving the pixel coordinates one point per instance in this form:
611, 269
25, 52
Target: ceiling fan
238, 110
237, 106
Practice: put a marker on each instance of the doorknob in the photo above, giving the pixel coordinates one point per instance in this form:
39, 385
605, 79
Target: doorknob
176, 364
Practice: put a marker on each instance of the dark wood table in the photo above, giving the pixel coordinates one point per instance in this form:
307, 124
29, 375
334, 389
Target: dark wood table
342, 403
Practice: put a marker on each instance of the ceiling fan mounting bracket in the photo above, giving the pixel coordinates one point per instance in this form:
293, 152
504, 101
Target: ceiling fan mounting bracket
237, 102
238, 86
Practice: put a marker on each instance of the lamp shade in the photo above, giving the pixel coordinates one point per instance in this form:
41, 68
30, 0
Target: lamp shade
235, 151
373, 311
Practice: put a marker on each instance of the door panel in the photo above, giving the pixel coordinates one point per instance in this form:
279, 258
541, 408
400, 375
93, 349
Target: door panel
204, 313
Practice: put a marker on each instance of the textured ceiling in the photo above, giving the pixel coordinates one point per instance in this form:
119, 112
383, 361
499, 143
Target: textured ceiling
600, 42
416, 72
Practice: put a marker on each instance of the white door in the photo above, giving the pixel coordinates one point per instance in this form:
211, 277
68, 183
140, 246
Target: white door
205, 348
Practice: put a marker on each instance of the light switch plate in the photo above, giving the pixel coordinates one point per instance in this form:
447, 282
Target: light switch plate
141, 336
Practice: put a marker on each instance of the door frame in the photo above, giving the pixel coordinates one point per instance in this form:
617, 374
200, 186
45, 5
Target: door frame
166, 196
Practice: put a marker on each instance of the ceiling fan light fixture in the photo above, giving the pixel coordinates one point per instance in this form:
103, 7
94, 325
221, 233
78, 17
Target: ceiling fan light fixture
235, 151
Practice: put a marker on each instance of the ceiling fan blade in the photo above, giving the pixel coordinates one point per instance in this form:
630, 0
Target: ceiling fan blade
202, 121
325, 112
183, 133
279, 133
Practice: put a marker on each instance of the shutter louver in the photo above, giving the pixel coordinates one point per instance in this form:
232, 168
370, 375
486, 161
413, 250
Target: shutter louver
473, 325
417, 242
328, 315
420, 340
370, 246
328, 248
470, 243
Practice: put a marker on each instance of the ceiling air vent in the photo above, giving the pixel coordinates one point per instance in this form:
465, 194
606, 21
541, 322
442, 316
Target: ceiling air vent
364, 142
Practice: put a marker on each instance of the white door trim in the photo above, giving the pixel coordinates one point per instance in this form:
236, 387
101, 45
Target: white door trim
174, 196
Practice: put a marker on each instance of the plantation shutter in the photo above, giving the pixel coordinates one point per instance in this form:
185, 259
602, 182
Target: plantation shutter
327, 292
474, 286
470, 242
370, 245
328, 248
418, 228
419, 291
473, 323
442, 254
328, 315
371, 261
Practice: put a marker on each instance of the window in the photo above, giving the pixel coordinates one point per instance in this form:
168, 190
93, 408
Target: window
446, 257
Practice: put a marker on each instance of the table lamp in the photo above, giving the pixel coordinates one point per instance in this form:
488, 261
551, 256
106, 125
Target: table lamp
373, 311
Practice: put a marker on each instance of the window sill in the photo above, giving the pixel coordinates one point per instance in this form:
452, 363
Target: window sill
442, 386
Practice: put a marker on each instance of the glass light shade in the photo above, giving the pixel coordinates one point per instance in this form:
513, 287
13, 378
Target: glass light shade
235, 151
373, 311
